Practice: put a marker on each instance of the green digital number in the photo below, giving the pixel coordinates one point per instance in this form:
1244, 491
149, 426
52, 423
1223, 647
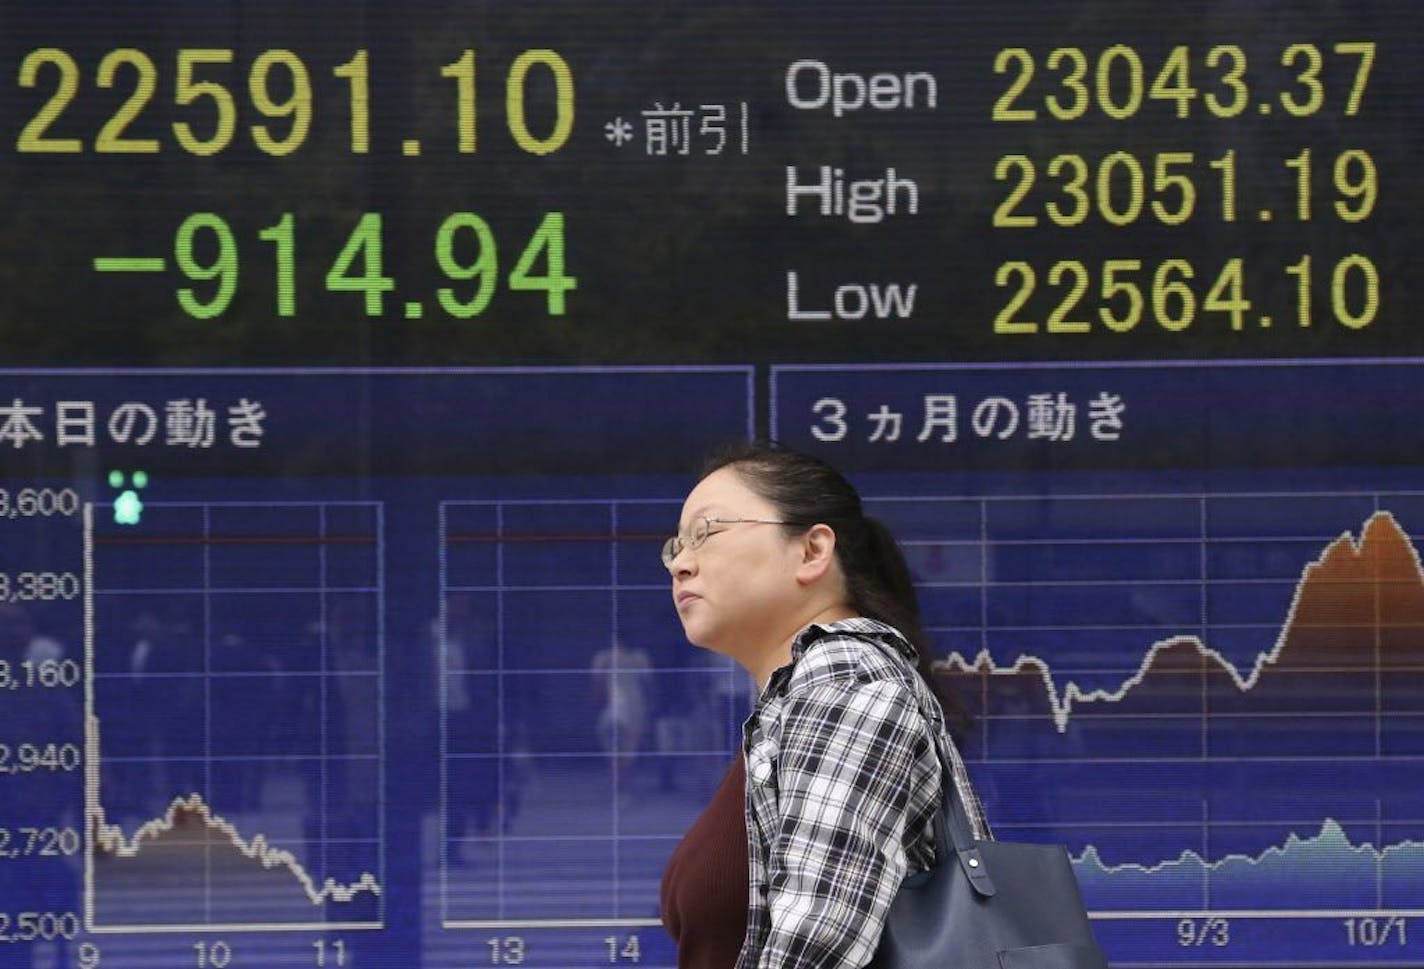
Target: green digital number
483, 268
548, 241
364, 245
223, 266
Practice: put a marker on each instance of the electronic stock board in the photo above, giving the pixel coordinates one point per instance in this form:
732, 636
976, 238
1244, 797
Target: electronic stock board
357, 357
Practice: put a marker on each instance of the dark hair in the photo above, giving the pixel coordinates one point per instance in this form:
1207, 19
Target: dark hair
808, 491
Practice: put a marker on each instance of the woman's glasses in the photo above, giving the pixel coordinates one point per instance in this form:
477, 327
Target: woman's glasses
700, 530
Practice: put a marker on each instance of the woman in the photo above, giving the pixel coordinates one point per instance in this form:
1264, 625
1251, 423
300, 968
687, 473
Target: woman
775, 565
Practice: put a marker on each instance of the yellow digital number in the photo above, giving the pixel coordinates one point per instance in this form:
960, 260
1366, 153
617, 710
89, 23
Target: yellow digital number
1058, 321
1004, 215
1308, 78
188, 91
1135, 191
356, 71
1365, 51
1355, 264
1167, 290
1112, 285
1228, 294
1165, 180
1232, 79
514, 101
1072, 81
1356, 179
297, 106
1120, 110
1005, 322
1072, 188
111, 138
1173, 81
32, 136
462, 72
1004, 109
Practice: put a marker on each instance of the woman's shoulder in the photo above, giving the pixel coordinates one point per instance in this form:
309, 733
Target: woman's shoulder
850, 653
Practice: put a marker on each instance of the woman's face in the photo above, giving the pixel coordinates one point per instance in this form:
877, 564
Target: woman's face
735, 591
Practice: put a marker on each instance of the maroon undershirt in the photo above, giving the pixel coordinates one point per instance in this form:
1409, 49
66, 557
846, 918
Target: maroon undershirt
704, 891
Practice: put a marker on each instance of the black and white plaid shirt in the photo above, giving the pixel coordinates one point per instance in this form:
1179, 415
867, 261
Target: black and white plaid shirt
843, 783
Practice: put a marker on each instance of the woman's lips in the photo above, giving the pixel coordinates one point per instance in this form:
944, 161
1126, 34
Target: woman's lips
683, 598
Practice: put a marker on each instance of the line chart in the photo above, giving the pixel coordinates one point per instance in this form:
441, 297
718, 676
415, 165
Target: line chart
194, 864
190, 812
1369, 879
1211, 697
1375, 584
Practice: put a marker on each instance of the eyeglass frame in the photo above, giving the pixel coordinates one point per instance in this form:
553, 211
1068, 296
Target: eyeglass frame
675, 545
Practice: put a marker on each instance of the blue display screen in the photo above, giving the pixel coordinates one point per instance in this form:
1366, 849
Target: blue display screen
358, 356
1190, 653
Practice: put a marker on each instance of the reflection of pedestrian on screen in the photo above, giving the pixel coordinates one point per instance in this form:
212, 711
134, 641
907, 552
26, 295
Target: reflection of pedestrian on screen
42, 801
620, 690
464, 643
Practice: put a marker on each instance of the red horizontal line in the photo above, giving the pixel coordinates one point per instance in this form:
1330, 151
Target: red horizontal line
532, 537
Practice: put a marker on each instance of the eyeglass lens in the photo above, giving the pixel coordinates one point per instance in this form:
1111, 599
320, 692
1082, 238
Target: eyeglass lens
696, 535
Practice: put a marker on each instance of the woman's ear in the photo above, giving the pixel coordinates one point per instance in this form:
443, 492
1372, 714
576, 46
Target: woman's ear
818, 553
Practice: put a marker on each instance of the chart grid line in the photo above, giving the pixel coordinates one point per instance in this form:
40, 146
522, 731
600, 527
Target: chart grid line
223, 834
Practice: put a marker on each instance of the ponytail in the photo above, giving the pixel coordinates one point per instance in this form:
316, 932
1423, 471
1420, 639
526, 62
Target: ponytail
881, 587
806, 490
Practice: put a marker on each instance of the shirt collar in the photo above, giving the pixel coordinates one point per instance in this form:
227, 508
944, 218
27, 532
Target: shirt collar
855, 626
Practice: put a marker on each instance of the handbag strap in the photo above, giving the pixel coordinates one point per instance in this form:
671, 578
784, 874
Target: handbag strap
953, 819
961, 815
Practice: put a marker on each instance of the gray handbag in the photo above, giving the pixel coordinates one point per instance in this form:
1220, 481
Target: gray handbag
987, 905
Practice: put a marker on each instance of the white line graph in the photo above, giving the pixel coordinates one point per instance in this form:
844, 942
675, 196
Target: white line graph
193, 825
110, 839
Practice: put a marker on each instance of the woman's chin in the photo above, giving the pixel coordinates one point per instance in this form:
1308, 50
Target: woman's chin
700, 638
